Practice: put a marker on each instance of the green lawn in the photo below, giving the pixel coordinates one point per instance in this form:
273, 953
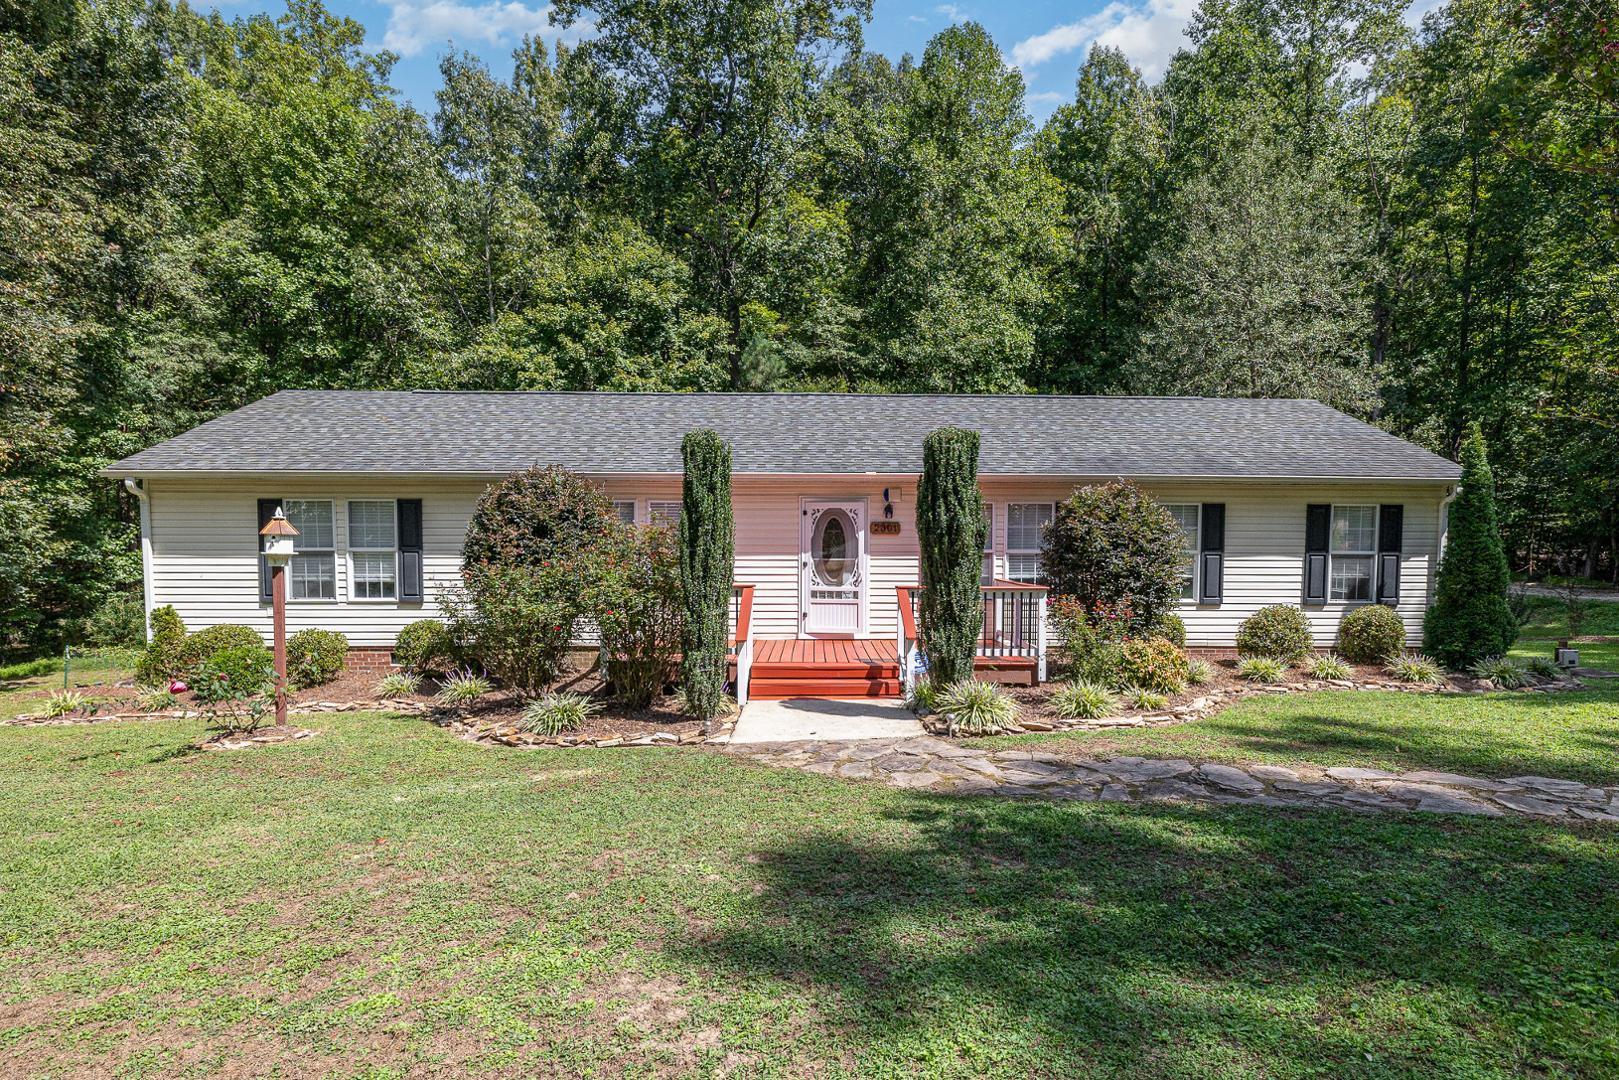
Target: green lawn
25, 687
385, 899
1548, 621
1571, 735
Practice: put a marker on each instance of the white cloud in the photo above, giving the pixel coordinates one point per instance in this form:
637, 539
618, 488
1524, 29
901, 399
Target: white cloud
1148, 34
951, 12
414, 25
1046, 97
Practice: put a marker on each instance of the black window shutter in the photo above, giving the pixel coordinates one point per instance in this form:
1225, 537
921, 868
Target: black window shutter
1211, 534
1390, 540
267, 509
410, 551
1317, 526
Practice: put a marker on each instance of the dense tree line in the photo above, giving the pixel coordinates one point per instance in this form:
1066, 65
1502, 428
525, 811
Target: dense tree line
1419, 227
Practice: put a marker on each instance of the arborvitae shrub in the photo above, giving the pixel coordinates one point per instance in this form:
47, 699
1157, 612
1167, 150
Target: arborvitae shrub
707, 559
1471, 618
164, 655
950, 531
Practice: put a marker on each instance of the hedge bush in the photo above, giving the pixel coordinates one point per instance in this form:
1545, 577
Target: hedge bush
637, 602
516, 621
1154, 664
1114, 546
1374, 634
1277, 632
425, 647
164, 658
210, 640
315, 657
233, 673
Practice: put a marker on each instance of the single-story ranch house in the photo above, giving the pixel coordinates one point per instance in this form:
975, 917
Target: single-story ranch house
1282, 502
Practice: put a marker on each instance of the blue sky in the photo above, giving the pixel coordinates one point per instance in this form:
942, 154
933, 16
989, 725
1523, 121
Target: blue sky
1047, 40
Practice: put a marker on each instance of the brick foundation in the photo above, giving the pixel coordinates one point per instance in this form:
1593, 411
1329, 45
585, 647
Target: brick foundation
369, 659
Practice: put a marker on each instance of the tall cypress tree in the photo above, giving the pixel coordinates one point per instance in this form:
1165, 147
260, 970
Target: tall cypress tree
1470, 618
950, 530
707, 555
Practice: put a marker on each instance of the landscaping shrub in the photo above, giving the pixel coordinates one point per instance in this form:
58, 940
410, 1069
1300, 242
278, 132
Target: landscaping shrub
210, 640
155, 699
1542, 667
1374, 634
1261, 669
1327, 666
315, 657
554, 713
536, 518
164, 657
636, 600
119, 620
1090, 639
65, 702
1279, 632
971, 707
234, 673
1471, 618
1113, 545
1151, 664
1083, 700
950, 532
398, 684
517, 621
1501, 671
1416, 668
1173, 629
462, 688
923, 698
425, 647
707, 560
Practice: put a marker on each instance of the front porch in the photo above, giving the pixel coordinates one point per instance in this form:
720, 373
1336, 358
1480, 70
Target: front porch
1011, 649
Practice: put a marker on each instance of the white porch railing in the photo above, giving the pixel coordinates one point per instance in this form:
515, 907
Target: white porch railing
1014, 626
742, 639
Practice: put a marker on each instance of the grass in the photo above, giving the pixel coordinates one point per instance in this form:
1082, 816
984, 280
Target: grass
24, 687
1572, 735
1548, 621
385, 899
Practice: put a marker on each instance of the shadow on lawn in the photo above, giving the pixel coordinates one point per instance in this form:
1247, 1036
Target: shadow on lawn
1165, 940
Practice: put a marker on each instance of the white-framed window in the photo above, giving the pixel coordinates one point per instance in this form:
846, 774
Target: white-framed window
1025, 528
312, 573
665, 513
1189, 517
988, 574
625, 509
373, 549
1352, 552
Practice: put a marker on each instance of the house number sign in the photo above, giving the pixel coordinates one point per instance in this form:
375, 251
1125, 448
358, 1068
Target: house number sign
885, 528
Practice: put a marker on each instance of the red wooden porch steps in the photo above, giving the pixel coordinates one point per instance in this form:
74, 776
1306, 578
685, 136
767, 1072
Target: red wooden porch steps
825, 667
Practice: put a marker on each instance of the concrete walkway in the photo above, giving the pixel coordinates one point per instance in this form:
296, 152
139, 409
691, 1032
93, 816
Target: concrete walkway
800, 719
936, 765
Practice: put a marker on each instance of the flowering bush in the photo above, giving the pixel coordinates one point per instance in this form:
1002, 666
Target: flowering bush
1112, 545
634, 595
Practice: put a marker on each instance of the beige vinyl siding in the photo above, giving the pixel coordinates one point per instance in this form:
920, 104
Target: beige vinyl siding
204, 558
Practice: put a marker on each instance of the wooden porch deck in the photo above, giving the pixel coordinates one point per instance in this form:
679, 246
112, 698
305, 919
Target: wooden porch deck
849, 667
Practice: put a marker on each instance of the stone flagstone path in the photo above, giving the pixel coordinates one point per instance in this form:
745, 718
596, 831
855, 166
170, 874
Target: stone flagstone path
932, 764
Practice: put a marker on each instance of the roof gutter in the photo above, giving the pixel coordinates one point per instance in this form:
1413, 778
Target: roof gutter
137, 488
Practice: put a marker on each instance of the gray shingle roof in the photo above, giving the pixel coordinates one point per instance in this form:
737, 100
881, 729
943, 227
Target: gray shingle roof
341, 431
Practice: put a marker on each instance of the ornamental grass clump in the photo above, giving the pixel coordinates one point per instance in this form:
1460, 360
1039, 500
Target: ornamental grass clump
923, 698
1327, 666
65, 702
1542, 667
1199, 672
1261, 669
462, 688
155, 699
1083, 700
398, 684
1416, 668
1501, 671
1144, 699
970, 707
555, 713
